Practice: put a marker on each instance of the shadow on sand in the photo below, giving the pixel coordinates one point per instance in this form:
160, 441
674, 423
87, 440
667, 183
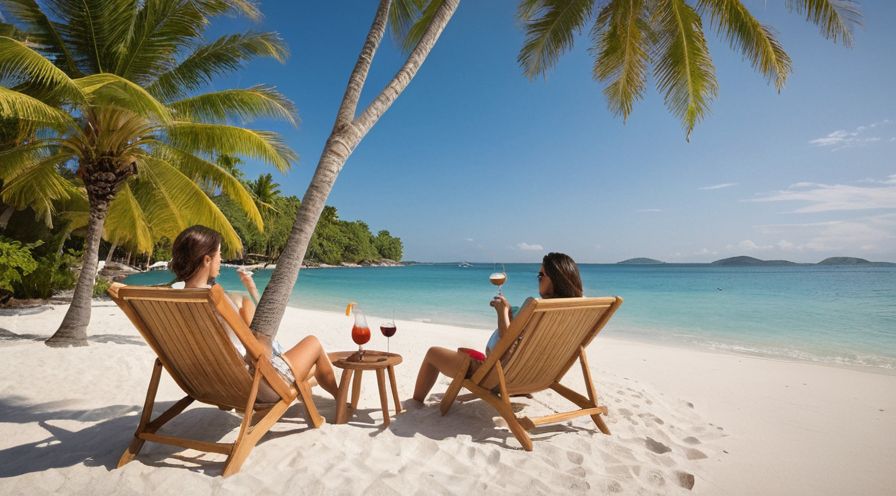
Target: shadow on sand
109, 429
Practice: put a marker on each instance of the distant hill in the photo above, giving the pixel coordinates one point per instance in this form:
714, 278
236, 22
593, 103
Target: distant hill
744, 260
641, 261
851, 261
843, 261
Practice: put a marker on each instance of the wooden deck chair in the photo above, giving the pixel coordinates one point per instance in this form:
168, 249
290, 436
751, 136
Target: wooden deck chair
552, 334
184, 327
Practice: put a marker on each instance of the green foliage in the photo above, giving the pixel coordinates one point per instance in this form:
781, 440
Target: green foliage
388, 247
334, 241
100, 288
15, 262
53, 274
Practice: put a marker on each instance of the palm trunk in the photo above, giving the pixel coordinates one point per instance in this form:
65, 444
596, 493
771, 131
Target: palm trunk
347, 132
111, 252
73, 330
102, 180
5, 216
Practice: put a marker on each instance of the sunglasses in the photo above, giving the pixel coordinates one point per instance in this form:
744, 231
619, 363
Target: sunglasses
540, 276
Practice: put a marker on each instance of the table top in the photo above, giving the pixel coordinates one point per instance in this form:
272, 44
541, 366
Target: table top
372, 360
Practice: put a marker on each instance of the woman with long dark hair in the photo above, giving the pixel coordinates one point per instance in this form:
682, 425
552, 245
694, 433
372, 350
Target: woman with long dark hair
558, 277
196, 260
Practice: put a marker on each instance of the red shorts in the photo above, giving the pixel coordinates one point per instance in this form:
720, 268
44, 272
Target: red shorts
474, 354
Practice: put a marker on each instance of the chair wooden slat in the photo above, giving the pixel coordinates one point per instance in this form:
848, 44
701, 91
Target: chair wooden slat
188, 331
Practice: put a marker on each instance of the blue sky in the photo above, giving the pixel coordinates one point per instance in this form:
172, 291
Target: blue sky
476, 162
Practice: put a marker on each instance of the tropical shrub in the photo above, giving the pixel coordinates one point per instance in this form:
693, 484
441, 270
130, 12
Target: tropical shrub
15, 262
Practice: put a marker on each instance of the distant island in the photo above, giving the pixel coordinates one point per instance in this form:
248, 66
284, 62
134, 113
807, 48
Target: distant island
744, 260
853, 261
750, 261
641, 261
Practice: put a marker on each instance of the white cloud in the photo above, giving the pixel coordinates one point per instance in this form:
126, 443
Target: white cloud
647, 210
470, 240
836, 197
842, 138
529, 247
718, 186
872, 234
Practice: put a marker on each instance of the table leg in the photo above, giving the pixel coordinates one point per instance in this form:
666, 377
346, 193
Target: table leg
341, 397
394, 390
384, 401
356, 388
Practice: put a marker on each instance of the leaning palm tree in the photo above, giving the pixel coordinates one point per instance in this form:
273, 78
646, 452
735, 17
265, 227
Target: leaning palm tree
108, 88
629, 36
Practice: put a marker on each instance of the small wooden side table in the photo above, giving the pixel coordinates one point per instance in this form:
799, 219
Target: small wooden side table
380, 361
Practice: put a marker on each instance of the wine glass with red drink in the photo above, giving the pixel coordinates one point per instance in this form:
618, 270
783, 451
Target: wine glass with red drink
388, 329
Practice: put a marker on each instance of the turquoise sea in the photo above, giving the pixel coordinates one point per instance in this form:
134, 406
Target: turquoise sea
838, 314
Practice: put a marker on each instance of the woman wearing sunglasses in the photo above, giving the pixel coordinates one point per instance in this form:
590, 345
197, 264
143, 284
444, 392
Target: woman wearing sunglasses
558, 277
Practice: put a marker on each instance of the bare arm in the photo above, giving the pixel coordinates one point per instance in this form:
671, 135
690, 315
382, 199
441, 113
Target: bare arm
502, 308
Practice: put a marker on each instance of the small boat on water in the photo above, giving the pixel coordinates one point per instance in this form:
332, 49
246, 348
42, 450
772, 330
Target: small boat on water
161, 265
464, 265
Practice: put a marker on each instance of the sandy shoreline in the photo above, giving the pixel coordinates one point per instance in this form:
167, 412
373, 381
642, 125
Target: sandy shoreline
735, 424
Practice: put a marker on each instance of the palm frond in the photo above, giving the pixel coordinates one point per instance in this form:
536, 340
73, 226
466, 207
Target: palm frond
527, 10
172, 202
756, 42
835, 18
246, 8
38, 186
402, 15
216, 139
42, 31
204, 171
243, 104
20, 106
226, 54
622, 37
109, 89
92, 28
20, 62
126, 223
19, 158
550, 31
684, 71
161, 29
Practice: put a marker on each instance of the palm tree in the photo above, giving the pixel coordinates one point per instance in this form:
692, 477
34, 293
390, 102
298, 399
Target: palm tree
265, 191
107, 88
628, 36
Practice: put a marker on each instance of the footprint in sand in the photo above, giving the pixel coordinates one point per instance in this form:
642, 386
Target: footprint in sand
656, 446
694, 454
574, 457
656, 478
685, 479
691, 440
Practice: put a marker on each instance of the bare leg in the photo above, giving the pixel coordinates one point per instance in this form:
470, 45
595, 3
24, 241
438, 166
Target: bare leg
436, 360
309, 352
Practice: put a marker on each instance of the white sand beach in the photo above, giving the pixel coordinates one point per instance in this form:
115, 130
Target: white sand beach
724, 424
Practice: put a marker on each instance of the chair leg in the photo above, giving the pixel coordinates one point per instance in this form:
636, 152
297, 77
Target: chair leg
592, 392
250, 435
314, 417
506, 411
456, 384
137, 444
